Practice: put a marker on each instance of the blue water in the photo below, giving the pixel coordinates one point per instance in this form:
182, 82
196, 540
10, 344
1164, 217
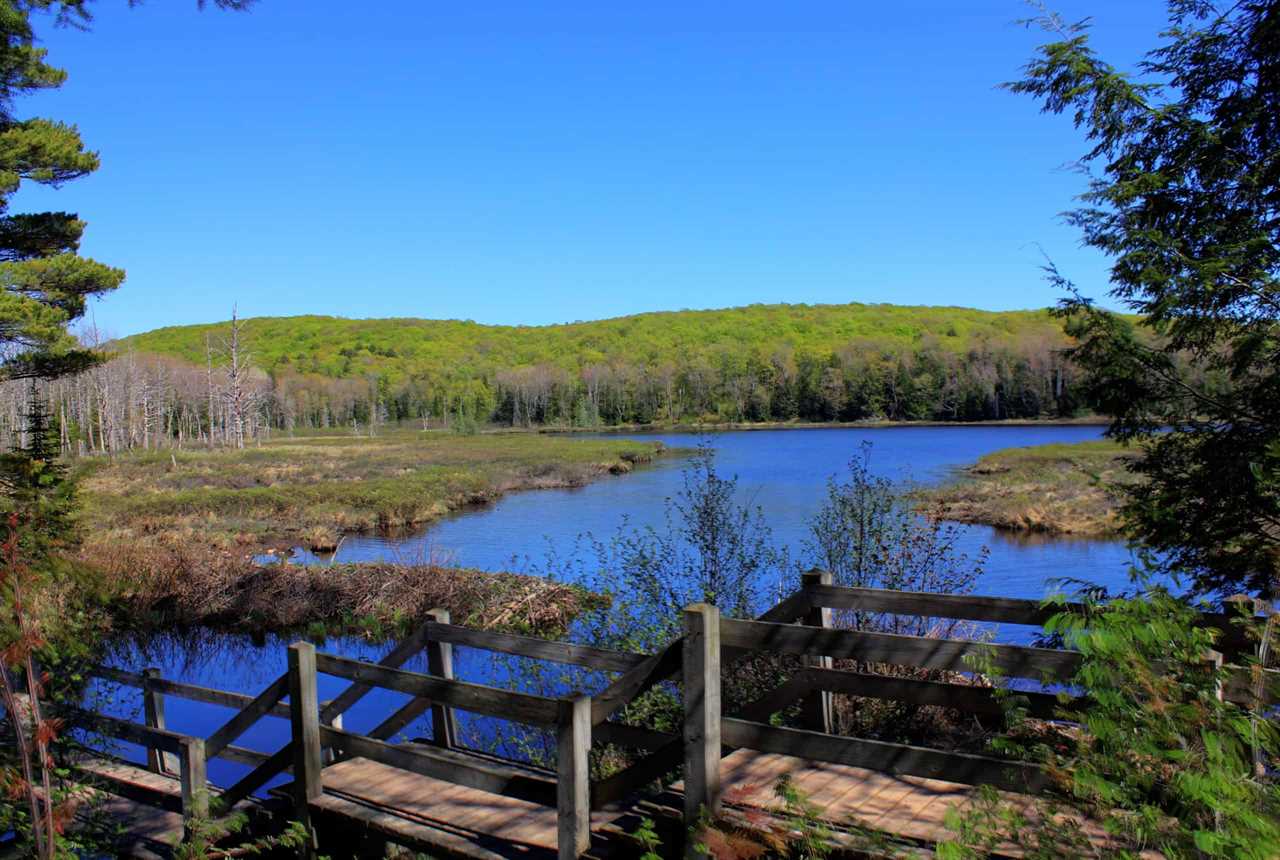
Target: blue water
784, 472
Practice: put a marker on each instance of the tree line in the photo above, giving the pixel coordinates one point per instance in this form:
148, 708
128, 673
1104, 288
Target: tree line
138, 400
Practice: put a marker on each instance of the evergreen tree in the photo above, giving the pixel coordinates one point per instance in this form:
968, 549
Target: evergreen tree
44, 283
36, 483
1185, 197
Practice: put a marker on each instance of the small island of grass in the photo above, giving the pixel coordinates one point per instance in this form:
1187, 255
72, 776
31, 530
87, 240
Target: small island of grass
1052, 489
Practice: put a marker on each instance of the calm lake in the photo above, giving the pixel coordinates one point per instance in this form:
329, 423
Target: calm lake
783, 471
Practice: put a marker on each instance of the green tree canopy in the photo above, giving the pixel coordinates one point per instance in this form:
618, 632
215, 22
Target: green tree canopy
1184, 195
44, 282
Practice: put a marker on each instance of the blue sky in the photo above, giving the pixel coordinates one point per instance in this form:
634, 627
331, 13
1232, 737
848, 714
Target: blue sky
544, 162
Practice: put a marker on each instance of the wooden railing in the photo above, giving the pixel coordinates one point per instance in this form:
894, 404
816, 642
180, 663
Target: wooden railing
799, 626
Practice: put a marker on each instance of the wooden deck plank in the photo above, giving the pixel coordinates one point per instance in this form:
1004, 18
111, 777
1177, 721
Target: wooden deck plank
422, 801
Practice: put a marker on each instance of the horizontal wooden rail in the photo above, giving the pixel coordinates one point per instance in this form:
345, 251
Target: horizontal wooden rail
964, 607
520, 707
974, 607
632, 737
1015, 660
915, 691
191, 692
886, 757
604, 659
448, 765
125, 730
192, 777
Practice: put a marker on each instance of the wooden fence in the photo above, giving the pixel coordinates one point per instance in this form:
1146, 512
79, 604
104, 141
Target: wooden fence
799, 626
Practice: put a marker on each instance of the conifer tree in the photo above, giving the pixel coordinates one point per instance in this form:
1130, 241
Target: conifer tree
1184, 196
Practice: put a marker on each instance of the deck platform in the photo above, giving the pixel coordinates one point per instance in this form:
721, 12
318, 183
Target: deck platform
431, 814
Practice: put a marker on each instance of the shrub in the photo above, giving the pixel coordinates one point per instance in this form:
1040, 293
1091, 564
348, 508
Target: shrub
1160, 760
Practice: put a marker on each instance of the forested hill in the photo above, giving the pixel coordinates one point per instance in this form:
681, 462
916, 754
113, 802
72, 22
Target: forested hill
762, 362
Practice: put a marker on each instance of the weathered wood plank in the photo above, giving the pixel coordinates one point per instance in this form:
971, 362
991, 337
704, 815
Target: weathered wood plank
604, 659
304, 706
440, 663
977, 700
627, 686
791, 609
397, 657
667, 759
701, 732
278, 763
633, 737
778, 699
153, 712
240, 755
1015, 660
972, 607
573, 778
192, 692
404, 715
124, 730
967, 607
447, 765
817, 707
252, 712
193, 779
886, 757
521, 707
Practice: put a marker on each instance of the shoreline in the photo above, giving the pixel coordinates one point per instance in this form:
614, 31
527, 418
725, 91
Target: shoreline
1062, 490
747, 426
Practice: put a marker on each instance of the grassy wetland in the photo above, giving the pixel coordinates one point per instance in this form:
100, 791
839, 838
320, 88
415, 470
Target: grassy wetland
177, 533
1064, 489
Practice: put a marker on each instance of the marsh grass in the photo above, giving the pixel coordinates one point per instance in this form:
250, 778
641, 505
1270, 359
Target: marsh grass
173, 587
177, 534
340, 483
1053, 489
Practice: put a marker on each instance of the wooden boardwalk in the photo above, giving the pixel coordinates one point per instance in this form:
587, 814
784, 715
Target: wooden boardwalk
361, 791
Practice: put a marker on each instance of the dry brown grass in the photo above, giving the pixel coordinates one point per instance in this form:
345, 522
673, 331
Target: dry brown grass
1051, 489
176, 533
176, 584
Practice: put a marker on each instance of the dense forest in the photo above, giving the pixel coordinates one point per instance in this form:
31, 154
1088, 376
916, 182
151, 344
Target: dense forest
758, 363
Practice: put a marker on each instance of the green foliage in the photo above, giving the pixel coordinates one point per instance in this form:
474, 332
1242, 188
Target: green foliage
1160, 762
1185, 203
757, 363
209, 836
647, 838
710, 549
868, 536
37, 487
809, 837
44, 284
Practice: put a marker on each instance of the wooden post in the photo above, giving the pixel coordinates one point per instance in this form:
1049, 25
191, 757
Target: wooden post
816, 709
440, 664
153, 709
1215, 661
573, 777
701, 714
328, 754
304, 717
194, 781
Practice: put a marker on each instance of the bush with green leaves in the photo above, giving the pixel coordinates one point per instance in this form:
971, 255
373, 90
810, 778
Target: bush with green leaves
867, 534
1159, 759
